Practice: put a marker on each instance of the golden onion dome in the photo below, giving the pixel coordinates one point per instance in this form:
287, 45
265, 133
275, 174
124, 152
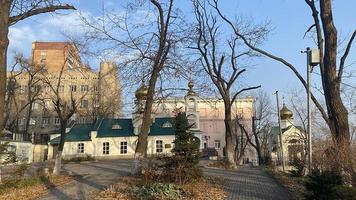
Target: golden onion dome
141, 93
286, 113
191, 91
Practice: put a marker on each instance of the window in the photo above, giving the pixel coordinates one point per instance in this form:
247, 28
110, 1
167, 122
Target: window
21, 121
45, 121
123, 147
166, 125
61, 88
22, 89
57, 121
35, 106
82, 120
47, 104
73, 88
84, 103
106, 148
95, 88
192, 120
96, 104
43, 54
205, 145
116, 127
33, 120
81, 148
217, 144
84, 88
159, 146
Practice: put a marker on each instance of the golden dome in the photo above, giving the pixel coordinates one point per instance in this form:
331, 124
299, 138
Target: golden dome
141, 93
286, 113
191, 91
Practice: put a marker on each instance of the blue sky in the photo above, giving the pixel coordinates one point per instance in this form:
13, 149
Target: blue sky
289, 19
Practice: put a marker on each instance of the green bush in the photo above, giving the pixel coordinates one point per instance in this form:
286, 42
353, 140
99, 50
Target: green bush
327, 185
162, 191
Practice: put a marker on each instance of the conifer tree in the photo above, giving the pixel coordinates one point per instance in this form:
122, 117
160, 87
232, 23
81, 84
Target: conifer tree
186, 144
182, 166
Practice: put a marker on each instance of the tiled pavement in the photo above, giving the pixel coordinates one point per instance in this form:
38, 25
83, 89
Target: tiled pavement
246, 183
250, 183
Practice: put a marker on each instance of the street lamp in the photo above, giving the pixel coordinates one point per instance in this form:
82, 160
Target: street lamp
281, 154
313, 59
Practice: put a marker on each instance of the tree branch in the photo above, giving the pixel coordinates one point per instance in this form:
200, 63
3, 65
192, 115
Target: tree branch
14, 19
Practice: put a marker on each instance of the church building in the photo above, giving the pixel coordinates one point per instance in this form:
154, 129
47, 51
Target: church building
110, 138
293, 139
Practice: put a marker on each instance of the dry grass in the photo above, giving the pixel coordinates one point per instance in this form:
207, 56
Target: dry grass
203, 189
31, 188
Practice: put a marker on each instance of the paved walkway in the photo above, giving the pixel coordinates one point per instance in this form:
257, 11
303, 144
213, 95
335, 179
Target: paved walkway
250, 183
246, 183
90, 178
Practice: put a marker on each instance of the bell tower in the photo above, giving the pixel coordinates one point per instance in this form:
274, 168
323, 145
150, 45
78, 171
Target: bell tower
191, 107
139, 109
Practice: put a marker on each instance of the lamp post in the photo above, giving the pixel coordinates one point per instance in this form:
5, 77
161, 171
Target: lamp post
280, 134
313, 59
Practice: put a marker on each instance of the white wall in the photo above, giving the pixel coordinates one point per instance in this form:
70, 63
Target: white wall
94, 148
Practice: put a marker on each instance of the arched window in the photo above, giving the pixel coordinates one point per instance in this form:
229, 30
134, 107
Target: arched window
191, 104
167, 125
116, 127
192, 120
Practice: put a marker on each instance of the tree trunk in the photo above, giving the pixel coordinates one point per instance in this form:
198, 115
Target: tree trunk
257, 141
337, 111
228, 136
4, 43
58, 160
141, 148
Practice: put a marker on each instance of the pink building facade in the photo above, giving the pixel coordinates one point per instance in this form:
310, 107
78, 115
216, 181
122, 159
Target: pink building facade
208, 115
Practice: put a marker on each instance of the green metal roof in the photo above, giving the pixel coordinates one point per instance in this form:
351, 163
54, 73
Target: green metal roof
79, 132
105, 128
157, 129
275, 129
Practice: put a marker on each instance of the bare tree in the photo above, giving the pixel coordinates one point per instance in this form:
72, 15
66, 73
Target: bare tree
261, 124
11, 12
64, 106
221, 66
336, 114
22, 95
148, 49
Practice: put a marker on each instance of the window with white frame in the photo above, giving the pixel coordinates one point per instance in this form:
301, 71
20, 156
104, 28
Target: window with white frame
73, 88
57, 121
45, 121
106, 148
81, 148
123, 147
84, 88
159, 146
61, 88
217, 144
84, 103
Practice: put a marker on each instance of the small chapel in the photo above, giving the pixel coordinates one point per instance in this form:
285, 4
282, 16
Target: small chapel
293, 139
110, 138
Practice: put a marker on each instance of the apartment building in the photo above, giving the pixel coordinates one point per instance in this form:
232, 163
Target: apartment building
54, 71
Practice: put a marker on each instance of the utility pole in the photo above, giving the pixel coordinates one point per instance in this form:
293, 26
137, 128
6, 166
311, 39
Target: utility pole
313, 59
280, 134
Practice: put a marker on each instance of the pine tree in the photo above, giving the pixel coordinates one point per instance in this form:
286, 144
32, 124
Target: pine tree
182, 166
186, 144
